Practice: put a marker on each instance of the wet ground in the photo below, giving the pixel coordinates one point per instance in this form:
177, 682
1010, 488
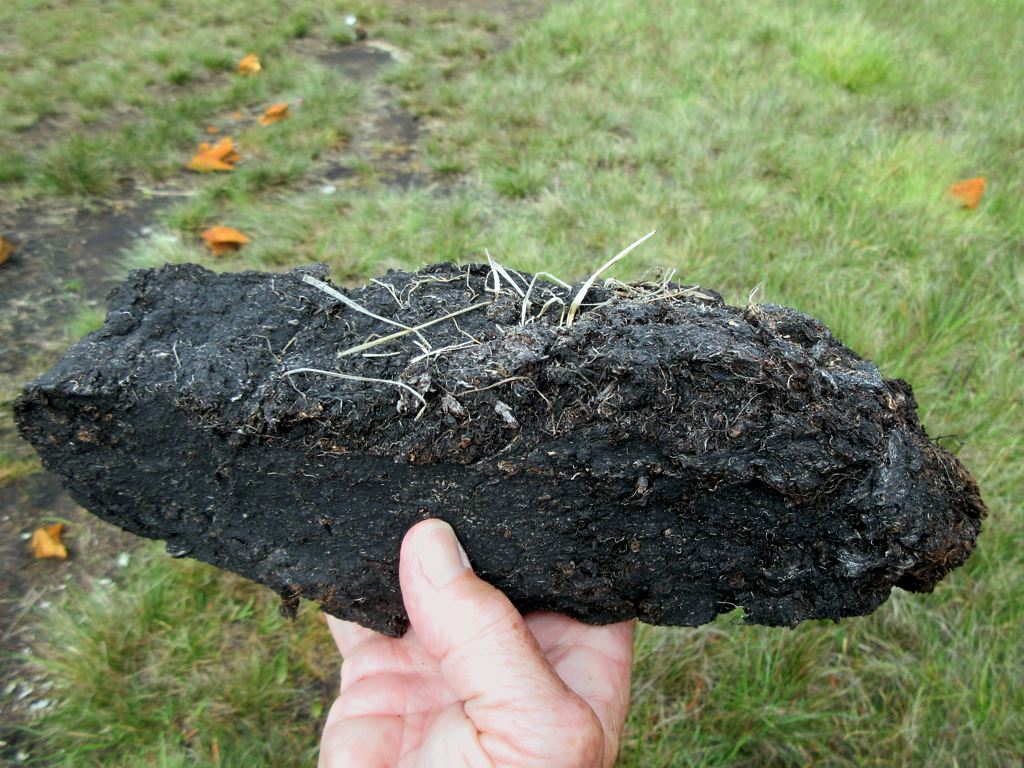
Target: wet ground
387, 137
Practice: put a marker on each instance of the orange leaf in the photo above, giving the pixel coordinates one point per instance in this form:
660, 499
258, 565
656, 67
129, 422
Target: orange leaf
274, 114
219, 157
221, 149
6, 249
969, 191
221, 240
249, 65
237, 114
46, 542
212, 129
204, 163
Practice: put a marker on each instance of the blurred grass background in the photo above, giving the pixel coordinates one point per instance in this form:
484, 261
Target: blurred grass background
804, 146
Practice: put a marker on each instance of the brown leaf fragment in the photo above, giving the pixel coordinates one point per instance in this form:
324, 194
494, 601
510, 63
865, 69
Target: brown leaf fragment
204, 164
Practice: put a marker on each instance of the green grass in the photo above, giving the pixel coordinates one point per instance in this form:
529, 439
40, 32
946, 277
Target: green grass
179, 664
808, 149
88, 97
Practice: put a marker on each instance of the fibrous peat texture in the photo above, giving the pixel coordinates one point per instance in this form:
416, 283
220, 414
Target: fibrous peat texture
664, 456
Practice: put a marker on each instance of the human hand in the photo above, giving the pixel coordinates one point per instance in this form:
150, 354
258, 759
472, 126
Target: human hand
474, 684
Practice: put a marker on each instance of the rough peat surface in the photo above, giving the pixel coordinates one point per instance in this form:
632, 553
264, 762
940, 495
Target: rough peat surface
666, 456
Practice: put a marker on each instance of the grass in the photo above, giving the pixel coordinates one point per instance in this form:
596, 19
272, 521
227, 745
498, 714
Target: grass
806, 148
130, 91
179, 666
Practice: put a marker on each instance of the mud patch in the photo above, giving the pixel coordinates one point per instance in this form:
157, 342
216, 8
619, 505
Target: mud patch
387, 137
65, 262
360, 62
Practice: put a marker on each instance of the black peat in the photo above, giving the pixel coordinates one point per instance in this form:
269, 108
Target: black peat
665, 456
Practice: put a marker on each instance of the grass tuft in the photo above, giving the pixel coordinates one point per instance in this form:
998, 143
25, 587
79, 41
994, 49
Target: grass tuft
855, 56
82, 166
176, 661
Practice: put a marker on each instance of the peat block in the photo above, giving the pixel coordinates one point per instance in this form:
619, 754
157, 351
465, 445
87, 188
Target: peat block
664, 456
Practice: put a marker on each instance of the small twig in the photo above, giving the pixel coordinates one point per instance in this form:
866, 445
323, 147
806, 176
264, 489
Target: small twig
547, 304
469, 336
495, 384
390, 289
752, 297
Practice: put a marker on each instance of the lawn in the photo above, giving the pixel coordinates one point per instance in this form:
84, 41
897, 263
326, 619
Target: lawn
803, 149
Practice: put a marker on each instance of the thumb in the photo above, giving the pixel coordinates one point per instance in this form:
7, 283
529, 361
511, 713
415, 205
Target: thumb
487, 654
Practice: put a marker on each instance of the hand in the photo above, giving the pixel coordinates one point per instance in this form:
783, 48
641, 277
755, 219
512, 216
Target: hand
473, 684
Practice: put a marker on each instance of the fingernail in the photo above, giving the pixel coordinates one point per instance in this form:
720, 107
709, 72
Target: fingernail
441, 556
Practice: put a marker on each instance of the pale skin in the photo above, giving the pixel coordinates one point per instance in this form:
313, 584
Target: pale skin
473, 683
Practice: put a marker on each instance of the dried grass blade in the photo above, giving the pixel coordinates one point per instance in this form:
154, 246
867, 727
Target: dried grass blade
576, 302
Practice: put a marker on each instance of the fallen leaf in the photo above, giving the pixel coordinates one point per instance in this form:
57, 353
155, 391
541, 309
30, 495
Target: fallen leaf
274, 114
249, 65
206, 164
221, 240
6, 249
217, 157
222, 150
46, 542
969, 191
237, 114
212, 129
